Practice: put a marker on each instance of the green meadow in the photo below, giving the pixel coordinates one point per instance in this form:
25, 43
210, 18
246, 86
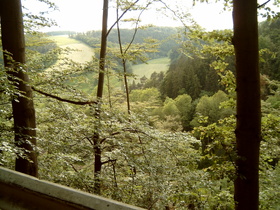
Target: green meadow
79, 52
63, 40
82, 53
154, 65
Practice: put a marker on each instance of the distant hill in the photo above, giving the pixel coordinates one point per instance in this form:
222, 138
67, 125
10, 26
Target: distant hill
84, 53
166, 36
59, 33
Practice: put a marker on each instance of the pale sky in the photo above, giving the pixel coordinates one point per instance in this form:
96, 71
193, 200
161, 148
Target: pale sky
85, 15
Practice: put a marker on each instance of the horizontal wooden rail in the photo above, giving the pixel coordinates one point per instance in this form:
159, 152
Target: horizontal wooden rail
20, 191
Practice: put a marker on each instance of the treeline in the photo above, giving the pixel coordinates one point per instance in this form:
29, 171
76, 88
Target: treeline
60, 33
203, 79
193, 75
193, 79
163, 35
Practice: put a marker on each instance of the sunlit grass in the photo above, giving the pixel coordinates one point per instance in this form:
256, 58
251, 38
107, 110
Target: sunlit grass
78, 51
154, 65
63, 40
83, 53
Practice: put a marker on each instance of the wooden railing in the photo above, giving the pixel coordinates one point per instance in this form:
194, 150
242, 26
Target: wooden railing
20, 191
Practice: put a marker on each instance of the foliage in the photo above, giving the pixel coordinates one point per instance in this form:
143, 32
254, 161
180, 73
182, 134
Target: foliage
174, 115
209, 107
7, 149
41, 52
135, 169
196, 71
146, 159
219, 154
218, 149
162, 34
33, 22
186, 110
149, 94
155, 80
269, 41
198, 60
218, 146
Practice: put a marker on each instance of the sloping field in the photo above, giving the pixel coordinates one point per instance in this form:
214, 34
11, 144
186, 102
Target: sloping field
77, 52
81, 52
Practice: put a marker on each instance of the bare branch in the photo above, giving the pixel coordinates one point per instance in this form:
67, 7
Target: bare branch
63, 99
109, 161
263, 4
121, 17
174, 12
136, 28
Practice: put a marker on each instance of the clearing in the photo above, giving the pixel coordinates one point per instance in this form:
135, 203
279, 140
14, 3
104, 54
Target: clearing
154, 65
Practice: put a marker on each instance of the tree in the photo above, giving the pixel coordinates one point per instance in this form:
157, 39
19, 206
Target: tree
96, 138
181, 78
22, 103
102, 62
210, 107
248, 128
185, 107
269, 41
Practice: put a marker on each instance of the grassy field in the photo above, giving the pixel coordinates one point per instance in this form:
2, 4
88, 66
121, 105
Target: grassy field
83, 53
63, 40
155, 65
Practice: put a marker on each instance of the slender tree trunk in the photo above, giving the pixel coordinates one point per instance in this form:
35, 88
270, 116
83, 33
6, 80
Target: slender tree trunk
23, 109
103, 50
126, 86
97, 164
248, 130
124, 69
96, 137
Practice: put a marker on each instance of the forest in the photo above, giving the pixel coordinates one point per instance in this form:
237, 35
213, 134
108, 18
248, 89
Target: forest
164, 136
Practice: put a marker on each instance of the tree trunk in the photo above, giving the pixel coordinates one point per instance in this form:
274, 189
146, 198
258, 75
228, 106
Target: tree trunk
103, 50
248, 130
124, 66
96, 137
23, 109
97, 164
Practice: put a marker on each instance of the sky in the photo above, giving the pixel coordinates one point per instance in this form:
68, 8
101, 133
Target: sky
85, 15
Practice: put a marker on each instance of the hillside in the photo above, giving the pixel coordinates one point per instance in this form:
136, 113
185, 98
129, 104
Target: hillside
81, 52
165, 36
